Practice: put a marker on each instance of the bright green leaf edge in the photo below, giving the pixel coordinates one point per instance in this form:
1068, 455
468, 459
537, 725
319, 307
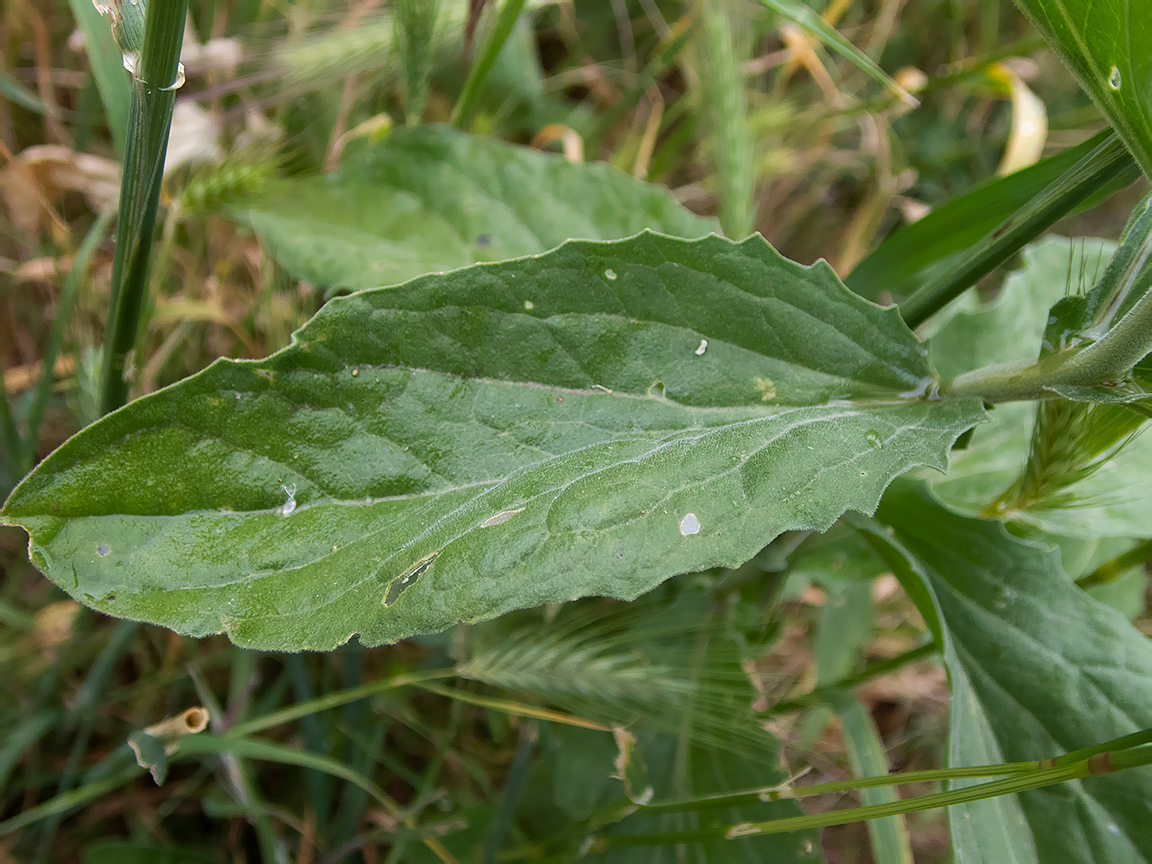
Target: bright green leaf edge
429, 199
591, 421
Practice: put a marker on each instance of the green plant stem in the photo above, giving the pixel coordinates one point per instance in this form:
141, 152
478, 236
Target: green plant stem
1114, 568
56, 338
818, 694
334, 700
1126, 343
149, 120
788, 791
1104, 362
1102, 166
505, 22
1102, 763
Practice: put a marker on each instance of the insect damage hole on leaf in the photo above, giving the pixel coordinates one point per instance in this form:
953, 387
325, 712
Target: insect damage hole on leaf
407, 579
689, 524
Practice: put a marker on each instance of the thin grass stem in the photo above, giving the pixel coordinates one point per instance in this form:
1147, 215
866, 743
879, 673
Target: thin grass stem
505, 22
334, 700
150, 117
56, 338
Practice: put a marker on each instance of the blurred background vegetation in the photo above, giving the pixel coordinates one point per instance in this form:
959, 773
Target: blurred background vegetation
505, 745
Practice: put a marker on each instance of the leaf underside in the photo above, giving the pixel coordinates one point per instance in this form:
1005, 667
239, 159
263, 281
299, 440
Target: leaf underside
590, 421
1037, 668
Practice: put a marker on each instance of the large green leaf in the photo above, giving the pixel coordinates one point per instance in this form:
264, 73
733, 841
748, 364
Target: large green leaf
1111, 502
1037, 669
1104, 41
430, 199
590, 421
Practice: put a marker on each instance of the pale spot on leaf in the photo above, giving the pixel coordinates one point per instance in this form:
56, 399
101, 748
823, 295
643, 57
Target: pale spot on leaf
500, 518
290, 505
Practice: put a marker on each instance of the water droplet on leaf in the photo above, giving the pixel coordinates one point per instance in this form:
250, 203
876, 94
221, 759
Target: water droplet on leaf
1114, 80
702, 348
610, 274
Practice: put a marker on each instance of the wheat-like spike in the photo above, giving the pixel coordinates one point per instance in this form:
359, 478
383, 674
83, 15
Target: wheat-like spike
1071, 441
721, 52
414, 36
628, 666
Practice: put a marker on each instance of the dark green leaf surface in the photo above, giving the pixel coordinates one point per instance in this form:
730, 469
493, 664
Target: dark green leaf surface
1105, 42
430, 199
586, 422
1037, 669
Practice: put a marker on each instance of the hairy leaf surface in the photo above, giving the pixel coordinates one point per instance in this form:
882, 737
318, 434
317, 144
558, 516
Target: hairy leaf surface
586, 422
430, 198
1037, 669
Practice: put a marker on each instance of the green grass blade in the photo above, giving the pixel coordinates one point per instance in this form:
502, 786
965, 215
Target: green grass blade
25, 735
268, 751
60, 805
899, 265
807, 20
56, 339
501, 30
107, 63
11, 441
889, 836
1108, 162
18, 94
